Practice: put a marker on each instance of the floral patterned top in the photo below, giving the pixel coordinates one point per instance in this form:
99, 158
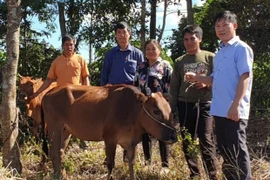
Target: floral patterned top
155, 78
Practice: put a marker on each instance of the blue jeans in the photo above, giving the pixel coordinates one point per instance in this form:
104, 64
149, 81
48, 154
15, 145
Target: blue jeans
232, 144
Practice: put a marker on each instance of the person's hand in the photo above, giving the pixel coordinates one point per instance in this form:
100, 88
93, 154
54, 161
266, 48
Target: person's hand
190, 77
233, 112
199, 85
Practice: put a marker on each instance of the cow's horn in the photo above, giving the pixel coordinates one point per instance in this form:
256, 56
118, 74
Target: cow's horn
20, 76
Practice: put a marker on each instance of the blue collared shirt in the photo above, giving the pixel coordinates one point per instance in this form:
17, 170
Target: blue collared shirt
119, 66
232, 60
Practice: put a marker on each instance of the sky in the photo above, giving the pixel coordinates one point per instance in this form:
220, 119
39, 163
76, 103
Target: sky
172, 20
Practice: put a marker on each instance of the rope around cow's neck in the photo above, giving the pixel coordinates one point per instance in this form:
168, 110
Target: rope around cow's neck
156, 119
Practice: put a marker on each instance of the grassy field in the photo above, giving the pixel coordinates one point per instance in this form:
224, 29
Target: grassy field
88, 164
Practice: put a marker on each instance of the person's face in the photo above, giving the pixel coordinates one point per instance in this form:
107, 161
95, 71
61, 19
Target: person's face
68, 47
152, 52
192, 43
122, 37
225, 30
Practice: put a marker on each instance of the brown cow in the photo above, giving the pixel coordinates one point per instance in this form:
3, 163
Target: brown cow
27, 86
113, 114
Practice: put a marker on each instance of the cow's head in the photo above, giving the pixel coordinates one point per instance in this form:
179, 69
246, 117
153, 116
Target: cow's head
27, 86
158, 118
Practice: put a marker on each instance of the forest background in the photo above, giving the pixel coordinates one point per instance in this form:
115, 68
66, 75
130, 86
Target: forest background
36, 54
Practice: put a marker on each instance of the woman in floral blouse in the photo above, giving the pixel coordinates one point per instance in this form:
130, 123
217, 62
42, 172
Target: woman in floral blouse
154, 76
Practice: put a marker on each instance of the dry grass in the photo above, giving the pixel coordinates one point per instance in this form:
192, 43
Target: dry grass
88, 164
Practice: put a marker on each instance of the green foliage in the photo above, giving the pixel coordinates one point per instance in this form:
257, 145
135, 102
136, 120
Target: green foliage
43, 10
101, 18
204, 17
260, 98
97, 30
3, 17
3, 58
176, 41
164, 55
253, 22
193, 148
96, 66
36, 58
69, 166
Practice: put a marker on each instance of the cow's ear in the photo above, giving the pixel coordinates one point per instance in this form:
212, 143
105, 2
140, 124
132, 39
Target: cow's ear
20, 76
141, 97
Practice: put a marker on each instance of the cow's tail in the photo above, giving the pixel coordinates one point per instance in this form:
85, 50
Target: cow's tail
44, 138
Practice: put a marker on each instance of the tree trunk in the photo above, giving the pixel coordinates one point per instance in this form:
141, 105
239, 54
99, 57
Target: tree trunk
143, 10
189, 12
164, 20
153, 19
8, 110
62, 21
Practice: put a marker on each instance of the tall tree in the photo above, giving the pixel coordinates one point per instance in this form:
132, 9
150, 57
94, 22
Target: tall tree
8, 110
62, 20
164, 20
190, 18
153, 19
143, 28
157, 32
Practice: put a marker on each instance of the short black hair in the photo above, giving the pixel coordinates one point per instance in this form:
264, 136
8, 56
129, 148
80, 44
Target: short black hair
154, 42
122, 25
67, 37
227, 15
193, 29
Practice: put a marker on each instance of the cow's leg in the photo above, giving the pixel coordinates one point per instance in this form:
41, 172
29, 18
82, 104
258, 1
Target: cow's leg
35, 129
55, 150
65, 137
131, 161
110, 155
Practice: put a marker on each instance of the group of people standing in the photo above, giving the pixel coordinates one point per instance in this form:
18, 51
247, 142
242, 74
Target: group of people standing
204, 87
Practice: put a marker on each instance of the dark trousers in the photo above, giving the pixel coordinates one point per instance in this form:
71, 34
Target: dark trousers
147, 150
195, 118
232, 144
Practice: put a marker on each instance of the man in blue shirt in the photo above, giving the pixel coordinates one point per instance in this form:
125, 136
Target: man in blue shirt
120, 62
231, 83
